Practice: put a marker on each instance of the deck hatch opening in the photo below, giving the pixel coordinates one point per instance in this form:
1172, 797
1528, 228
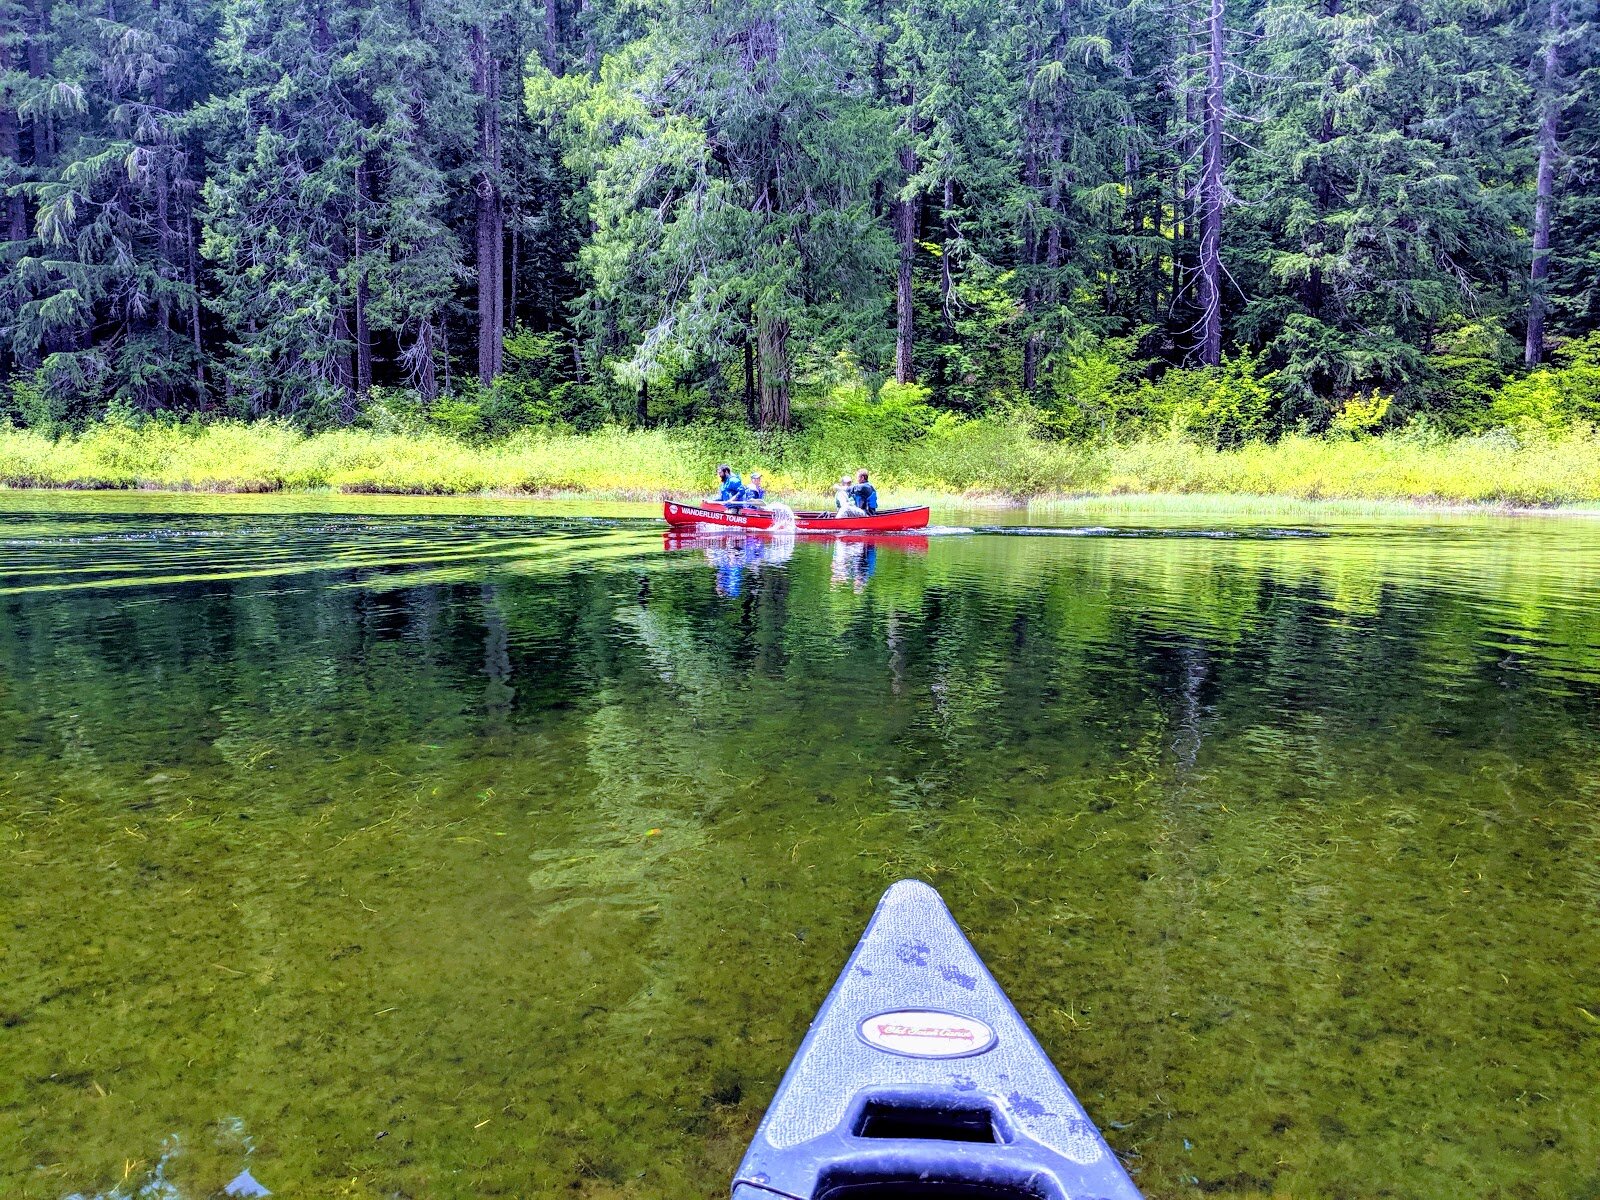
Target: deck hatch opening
919, 1189
944, 1123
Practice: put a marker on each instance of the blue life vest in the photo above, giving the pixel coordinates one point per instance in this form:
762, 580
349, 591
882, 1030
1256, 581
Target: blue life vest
753, 493
865, 497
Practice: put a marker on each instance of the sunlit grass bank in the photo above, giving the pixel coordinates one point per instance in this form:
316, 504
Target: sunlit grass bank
979, 458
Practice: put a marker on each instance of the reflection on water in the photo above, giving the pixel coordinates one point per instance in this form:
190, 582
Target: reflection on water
1242, 533
473, 852
734, 555
155, 1180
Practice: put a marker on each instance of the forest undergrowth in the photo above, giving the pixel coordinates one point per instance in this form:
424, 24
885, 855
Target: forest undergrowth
985, 458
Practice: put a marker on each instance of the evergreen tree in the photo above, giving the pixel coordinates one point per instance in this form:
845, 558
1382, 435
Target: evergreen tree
1380, 189
281, 206
733, 155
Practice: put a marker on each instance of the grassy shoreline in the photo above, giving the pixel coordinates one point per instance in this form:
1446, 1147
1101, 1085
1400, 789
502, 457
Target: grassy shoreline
984, 464
1222, 505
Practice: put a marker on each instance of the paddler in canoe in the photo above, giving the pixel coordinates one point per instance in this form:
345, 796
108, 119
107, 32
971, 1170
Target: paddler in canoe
735, 495
731, 486
855, 498
864, 495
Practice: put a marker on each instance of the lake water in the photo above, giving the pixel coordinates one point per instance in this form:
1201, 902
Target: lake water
468, 849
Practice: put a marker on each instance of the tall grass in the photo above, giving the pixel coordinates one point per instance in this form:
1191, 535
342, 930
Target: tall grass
979, 458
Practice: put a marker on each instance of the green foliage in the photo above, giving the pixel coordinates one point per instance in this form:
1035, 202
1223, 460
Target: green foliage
1318, 364
33, 404
252, 208
989, 455
1469, 365
1094, 389
537, 387
1360, 415
1216, 406
899, 412
457, 416
972, 360
1556, 398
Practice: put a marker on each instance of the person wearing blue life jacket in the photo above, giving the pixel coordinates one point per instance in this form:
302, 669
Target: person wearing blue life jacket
863, 495
755, 489
732, 487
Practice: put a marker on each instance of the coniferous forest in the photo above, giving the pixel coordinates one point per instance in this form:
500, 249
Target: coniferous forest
1287, 215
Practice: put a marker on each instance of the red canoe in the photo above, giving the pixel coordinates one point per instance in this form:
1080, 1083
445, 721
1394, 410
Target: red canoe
885, 520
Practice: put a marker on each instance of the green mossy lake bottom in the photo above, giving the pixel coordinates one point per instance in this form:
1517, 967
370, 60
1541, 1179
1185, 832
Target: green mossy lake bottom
480, 849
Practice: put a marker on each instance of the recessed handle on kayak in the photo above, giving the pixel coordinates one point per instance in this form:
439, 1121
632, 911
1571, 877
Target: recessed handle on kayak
920, 1120
939, 1145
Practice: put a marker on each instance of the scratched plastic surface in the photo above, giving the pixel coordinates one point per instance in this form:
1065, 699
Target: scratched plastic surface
914, 957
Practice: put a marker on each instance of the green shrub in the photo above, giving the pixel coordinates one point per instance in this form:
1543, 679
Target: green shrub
1467, 368
1360, 415
536, 388
1555, 398
456, 416
1216, 406
34, 404
1092, 389
1000, 453
394, 411
854, 428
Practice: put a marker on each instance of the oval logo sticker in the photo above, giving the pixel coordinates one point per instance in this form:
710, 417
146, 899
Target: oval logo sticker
925, 1033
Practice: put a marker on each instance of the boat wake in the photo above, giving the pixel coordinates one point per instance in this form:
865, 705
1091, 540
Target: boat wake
1110, 531
782, 517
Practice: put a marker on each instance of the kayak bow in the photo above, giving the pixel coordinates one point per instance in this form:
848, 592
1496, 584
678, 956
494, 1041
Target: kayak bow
918, 1079
756, 520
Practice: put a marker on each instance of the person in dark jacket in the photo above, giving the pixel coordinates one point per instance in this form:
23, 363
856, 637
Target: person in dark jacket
864, 495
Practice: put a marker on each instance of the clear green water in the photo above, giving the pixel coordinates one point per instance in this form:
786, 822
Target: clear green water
416, 850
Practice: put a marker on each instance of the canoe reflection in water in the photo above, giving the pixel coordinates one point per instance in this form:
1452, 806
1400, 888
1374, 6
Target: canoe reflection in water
734, 555
854, 563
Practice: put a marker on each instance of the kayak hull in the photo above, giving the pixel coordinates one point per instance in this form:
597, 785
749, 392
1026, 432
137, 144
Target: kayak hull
712, 515
918, 1078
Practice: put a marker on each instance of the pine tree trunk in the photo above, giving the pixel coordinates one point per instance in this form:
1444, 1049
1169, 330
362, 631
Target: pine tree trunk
1314, 294
1132, 168
363, 295
1182, 199
905, 232
1211, 196
947, 279
1177, 237
1533, 348
38, 67
490, 218
427, 372
191, 254
166, 268
511, 283
772, 336
552, 36
16, 221
1052, 239
11, 150
749, 378
1030, 240
344, 370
